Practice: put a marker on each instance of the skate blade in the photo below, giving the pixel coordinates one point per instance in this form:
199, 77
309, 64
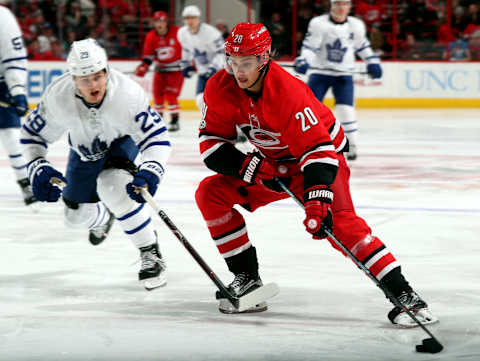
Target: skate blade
406, 322
257, 296
153, 283
232, 310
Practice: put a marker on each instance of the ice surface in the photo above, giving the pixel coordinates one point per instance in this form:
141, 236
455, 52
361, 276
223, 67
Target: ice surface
416, 181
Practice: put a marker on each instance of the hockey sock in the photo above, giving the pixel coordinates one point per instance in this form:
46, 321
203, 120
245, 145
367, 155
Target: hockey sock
396, 282
137, 225
175, 118
244, 262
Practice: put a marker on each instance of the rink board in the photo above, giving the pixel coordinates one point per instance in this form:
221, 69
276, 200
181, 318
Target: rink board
404, 84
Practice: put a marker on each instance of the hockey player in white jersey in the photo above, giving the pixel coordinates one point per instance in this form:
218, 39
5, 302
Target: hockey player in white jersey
329, 50
202, 45
108, 120
13, 99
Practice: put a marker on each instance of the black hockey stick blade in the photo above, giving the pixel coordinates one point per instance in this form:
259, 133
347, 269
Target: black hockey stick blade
429, 345
257, 296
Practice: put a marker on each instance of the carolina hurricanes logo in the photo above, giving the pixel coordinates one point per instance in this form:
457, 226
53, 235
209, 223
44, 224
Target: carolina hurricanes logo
262, 138
165, 53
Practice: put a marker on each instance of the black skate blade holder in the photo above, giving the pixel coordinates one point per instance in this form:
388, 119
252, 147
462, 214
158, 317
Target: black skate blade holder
429, 345
242, 303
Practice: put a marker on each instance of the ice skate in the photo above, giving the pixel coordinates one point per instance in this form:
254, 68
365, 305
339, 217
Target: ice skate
98, 234
27, 193
152, 273
416, 306
242, 284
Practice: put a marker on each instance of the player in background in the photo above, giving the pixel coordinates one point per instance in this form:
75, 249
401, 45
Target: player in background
202, 45
299, 140
13, 99
329, 49
162, 48
108, 120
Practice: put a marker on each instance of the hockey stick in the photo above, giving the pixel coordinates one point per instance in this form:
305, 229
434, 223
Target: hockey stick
5, 105
242, 303
167, 68
431, 345
330, 69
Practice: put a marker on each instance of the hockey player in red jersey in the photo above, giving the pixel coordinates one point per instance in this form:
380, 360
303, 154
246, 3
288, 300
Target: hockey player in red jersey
162, 48
299, 141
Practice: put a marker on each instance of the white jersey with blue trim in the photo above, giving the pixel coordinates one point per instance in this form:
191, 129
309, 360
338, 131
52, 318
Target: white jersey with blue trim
124, 111
205, 48
13, 56
332, 45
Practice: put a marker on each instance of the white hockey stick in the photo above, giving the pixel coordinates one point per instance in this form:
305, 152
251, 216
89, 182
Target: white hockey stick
241, 303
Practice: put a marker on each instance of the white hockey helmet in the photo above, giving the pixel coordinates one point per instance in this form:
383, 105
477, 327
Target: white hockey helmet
86, 57
191, 10
336, 1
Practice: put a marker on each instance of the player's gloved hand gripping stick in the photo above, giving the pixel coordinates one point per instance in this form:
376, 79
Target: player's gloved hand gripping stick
242, 303
430, 345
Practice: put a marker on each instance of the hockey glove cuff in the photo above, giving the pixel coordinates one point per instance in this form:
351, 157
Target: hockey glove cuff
149, 175
21, 104
188, 71
40, 173
141, 70
301, 66
318, 200
374, 70
256, 168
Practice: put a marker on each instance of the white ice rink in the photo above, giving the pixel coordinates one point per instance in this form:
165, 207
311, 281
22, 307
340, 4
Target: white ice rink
417, 183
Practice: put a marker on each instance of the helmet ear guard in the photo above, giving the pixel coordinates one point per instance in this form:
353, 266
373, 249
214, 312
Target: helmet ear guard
86, 57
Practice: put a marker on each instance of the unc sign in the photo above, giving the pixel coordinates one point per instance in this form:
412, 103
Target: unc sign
439, 80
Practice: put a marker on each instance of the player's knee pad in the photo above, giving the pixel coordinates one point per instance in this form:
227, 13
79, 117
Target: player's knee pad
111, 189
79, 215
205, 192
199, 100
345, 113
9, 137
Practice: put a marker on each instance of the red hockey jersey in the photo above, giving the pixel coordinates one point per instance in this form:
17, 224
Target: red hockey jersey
286, 122
165, 50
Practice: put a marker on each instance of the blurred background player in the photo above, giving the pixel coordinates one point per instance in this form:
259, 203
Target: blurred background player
109, 120
163, 49
13, 99
202, 46
299, 140
329, 49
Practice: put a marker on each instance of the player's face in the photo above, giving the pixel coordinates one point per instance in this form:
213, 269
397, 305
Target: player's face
161, 26
340, 10
245, 70
192, 23
92, 87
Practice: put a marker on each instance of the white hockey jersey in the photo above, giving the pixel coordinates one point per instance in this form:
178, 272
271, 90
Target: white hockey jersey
205, 48
125, 110
13, 56
331, 45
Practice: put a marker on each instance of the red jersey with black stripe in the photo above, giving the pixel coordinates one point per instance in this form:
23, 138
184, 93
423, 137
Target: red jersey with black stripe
165, 50
286, 122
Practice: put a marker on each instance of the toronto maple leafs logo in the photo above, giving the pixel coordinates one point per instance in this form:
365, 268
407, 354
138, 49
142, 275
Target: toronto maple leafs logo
97, 151
335, 52
200, 56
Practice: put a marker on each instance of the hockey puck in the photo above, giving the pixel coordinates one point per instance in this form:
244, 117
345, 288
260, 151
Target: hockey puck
429, 345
